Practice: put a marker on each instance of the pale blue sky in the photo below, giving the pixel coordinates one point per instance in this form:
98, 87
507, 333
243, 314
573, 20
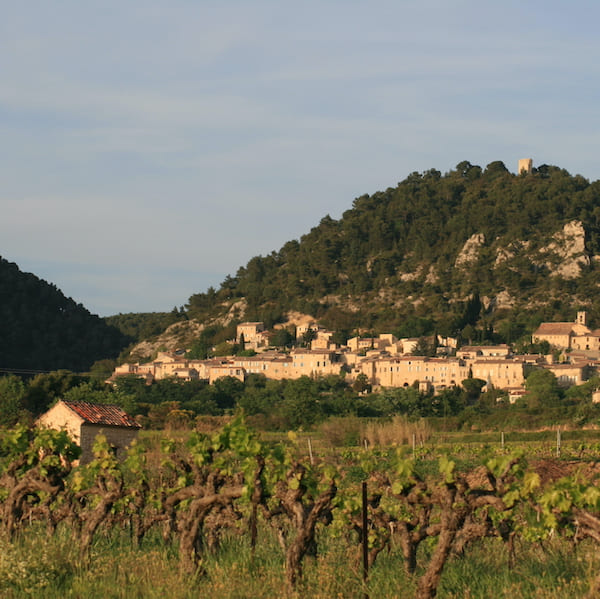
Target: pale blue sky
150, 148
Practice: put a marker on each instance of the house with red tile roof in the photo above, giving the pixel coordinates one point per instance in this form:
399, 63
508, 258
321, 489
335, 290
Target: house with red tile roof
83, 421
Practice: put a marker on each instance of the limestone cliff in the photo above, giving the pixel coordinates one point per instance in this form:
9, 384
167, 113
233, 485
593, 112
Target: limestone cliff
470, 251
566, 253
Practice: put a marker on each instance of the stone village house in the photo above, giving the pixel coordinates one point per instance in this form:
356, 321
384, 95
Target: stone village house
387, 361
83, 421
569, 335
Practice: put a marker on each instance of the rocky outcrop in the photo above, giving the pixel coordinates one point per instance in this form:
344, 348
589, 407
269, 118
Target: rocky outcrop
506, 254
503, 300
415, 275
566, 255
181, 335
470, 251
563, 256
432, 276
177, 336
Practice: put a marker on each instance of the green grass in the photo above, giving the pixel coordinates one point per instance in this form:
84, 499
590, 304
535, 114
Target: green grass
555, 570
36, 566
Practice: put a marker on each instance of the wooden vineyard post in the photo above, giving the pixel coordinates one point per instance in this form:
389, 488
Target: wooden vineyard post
365, 538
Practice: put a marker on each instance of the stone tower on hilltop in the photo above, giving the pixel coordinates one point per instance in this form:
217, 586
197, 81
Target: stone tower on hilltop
525, 165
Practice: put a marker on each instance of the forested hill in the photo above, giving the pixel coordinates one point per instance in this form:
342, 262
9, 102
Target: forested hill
473, 247
41, 329
477, 252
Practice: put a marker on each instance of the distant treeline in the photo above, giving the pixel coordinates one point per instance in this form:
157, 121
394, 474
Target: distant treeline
299, 403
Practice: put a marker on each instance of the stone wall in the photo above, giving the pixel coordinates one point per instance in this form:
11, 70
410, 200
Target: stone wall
119, 437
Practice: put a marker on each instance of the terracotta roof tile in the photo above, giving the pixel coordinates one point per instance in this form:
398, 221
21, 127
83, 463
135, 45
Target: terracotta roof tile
109, 415
555, 328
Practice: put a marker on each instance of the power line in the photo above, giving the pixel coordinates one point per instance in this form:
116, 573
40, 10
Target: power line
24, 371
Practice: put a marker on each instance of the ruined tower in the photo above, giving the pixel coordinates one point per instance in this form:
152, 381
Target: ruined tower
525, 165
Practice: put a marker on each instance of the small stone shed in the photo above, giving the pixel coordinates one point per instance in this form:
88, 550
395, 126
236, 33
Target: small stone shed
83, 421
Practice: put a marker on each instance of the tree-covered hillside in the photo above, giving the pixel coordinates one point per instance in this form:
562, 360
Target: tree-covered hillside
396, 260
41, 329
143, 325
480, 253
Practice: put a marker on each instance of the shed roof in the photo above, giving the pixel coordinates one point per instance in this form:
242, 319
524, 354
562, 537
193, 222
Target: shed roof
108, 415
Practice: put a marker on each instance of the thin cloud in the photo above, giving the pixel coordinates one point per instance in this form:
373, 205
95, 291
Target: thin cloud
137, 132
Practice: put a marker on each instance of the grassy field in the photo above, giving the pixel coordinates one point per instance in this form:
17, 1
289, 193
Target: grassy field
50, 568
427, 443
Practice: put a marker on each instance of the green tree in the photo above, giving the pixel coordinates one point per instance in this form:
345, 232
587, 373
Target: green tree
282, 338
472, 389
424, 347
45, 388
228, 391
103, 395
447, 402
584, 391
224, 349
12, 394
542, 388
308, 337
301, 406
468, 333
132, 385
361, 383
102, 369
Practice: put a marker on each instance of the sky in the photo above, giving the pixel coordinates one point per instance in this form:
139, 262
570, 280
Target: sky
148, 148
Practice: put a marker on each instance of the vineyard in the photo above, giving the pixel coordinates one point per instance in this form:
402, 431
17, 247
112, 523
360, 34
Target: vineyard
230, 514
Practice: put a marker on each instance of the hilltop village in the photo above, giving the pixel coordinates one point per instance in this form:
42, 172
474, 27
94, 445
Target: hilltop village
385, 361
